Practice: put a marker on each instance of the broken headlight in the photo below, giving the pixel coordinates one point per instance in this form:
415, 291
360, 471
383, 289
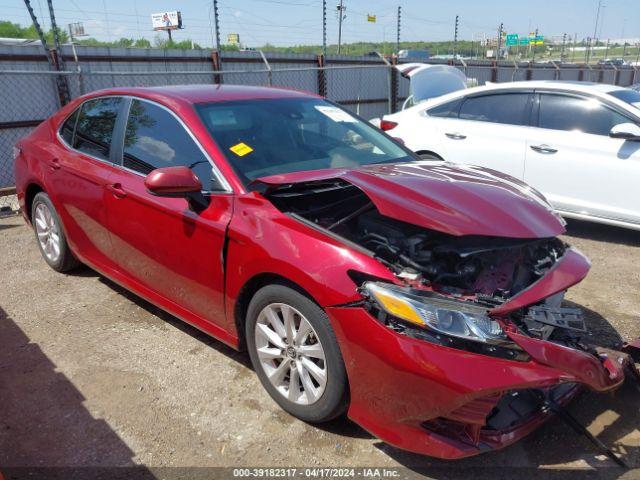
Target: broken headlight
442, 315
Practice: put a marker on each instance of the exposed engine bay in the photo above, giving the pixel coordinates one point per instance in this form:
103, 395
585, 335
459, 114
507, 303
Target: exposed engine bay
462, 266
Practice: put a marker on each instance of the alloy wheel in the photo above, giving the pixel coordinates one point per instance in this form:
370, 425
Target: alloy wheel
48, 232
290, 353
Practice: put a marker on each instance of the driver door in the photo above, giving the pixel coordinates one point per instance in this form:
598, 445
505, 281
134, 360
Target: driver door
160, 243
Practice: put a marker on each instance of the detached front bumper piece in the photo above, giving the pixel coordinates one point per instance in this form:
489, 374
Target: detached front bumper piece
451, 403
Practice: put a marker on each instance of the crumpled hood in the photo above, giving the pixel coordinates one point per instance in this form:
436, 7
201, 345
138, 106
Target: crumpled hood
458, 200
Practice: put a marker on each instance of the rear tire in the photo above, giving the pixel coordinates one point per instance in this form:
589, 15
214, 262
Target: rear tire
50, 236
295, 354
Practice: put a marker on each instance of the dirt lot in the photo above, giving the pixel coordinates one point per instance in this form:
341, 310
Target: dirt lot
91, 375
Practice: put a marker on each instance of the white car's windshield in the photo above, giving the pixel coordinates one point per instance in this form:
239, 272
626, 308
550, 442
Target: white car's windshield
262, 137
627, 95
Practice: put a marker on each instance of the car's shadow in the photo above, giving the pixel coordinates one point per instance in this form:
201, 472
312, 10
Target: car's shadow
45, 429
603, 233
611, 417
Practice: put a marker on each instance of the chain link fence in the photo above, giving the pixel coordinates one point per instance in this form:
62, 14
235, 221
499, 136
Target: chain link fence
369, 89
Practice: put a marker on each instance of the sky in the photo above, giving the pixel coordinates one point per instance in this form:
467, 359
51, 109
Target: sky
299, 22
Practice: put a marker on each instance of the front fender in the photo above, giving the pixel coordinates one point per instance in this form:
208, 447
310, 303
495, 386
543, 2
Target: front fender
264, 240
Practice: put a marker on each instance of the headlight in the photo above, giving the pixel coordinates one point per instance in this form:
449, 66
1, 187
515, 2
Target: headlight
428, 310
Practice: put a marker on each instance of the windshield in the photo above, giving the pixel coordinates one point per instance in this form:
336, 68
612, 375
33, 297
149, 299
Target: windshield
262, 137
627, 95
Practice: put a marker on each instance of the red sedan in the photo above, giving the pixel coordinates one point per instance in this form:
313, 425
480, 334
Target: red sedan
422, 299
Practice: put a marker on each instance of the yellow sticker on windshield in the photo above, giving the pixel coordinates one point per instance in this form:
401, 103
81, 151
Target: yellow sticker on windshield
241, 149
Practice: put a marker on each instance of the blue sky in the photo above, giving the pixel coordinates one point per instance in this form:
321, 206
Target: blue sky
290, 22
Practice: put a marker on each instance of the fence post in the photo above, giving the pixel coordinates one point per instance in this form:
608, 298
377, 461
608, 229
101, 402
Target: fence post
61, 82
321, 76
393, 85
269, 73
215, 60
80, 81
529, 74
494, 71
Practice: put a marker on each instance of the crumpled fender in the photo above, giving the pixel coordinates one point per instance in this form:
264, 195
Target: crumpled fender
569, 270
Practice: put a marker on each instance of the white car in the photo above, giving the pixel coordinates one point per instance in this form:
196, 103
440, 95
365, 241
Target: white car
578, 143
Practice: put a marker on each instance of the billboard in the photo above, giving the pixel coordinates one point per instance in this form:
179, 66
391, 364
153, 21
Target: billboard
233, 38
166, 20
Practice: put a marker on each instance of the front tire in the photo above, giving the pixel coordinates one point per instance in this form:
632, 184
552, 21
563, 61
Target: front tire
295, 354
50, 236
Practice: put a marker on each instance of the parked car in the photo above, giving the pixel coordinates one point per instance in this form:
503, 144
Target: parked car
562, 138
422, 300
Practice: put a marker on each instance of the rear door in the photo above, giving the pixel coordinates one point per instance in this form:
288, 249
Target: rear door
79, 172
160, 242
573, 161
490, 130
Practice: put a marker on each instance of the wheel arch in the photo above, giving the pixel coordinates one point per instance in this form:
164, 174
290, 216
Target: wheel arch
30, 193
249, 289
429, 152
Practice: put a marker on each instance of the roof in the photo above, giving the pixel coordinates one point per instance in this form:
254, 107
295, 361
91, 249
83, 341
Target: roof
557, 84
204, 93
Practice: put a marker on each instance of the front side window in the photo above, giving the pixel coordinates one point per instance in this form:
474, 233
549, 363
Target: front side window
262, 137
632, 97
505, 108
587, 115
154, 138
94, 129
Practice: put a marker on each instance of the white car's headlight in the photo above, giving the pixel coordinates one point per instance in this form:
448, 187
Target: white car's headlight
449, 317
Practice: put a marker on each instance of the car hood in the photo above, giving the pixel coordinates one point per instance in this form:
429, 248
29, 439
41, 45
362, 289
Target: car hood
458, 200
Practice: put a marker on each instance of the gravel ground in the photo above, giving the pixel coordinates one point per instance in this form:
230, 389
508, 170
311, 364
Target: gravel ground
91, 375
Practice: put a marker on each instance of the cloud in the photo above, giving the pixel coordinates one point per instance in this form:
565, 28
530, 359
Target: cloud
156, 148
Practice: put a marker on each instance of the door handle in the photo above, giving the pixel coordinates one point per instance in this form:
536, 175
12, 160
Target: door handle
456, 136
55, 164
544, 148
117, 190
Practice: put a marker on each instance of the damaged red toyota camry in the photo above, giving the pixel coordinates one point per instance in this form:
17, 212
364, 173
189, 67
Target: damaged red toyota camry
421, 299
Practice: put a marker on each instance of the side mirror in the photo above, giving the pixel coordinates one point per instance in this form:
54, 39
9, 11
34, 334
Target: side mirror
627, 131
176, 182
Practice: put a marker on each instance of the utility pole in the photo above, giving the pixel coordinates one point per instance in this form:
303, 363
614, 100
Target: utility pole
218, 55
606, 50
535, 39
61, 82
324, 28
398, 31
455, 38
217, 25
575, 44
499, 41
595, 31
564, 41
341, 9
586, 51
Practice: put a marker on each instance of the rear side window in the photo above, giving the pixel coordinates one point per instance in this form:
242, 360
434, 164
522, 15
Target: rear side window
68, 128
446, 110
506, 108
587, 115
94, 129
155, 139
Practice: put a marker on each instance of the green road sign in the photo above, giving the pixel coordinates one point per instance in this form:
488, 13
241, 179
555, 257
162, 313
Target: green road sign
524, 41
512, 40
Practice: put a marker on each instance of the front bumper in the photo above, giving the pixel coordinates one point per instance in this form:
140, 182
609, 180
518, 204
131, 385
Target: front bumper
436, 400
